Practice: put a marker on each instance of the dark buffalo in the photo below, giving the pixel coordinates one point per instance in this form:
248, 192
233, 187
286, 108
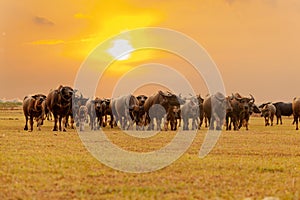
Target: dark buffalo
296, 110
59, 102
142, 122
157, 106
172, 117
215, 107
106, 111
268, 111
229, 112
34, 108
201, 111
241, 110
282, 109
254, 108
141, 99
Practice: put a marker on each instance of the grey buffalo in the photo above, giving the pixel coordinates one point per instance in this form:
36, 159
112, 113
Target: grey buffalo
190, 110
125, 109
215, 110
94, 107
81, 117
268, 111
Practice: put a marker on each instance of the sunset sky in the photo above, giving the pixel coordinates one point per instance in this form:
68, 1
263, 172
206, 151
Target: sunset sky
254, 43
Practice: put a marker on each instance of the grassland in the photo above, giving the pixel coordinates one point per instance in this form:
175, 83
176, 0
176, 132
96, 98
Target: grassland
261, 162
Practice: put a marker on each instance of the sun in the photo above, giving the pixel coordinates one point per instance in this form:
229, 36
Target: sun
121, 49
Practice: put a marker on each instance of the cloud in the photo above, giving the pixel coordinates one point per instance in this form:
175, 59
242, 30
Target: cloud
42, 21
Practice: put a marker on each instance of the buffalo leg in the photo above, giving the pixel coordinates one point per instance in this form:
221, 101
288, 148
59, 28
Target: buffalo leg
31, 123
59, 122
55, 122
26, 123
72, 122
266, 121
211, 124
193, 124
227, 123
166, 125
296, 121
185, 124
272, 118
240, 124
104, 123
111, 121
63, 119
158, 124
39, 123
206, 120
92, 121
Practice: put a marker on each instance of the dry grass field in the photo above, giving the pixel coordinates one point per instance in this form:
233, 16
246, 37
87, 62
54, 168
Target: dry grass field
254, 164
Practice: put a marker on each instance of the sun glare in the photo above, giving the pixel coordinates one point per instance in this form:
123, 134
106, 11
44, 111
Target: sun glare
120, 46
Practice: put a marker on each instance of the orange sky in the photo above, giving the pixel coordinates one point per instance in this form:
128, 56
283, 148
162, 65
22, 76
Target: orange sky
255, 43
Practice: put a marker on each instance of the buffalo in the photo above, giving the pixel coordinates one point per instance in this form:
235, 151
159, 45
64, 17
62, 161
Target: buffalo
268, 111
105, 106
77, 101
125, 109
296, 110
142, 122
59, 102
81, 117
34, 108
201, 111
241, 110
215, 107
95, 112
190, 110
157, 106
282, 109
173, 114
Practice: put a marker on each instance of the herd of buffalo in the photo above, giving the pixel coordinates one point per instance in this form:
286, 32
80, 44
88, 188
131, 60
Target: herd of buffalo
163, 110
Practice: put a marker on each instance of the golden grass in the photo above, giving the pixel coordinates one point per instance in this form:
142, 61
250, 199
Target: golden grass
264, 161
